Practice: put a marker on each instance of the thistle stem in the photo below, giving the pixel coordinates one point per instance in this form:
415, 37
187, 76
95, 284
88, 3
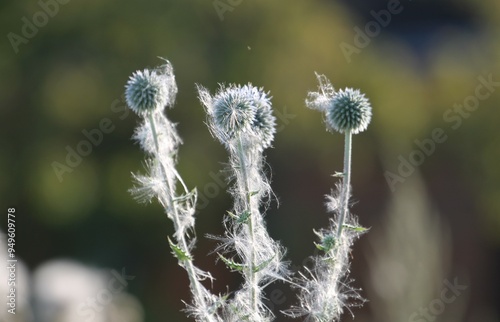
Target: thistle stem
346, 182
247, 192
189, 266
157, 146
153, 131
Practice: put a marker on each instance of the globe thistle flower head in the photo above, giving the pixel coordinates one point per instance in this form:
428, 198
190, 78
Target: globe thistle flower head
243, 112
350, 110
148, 91
345, 110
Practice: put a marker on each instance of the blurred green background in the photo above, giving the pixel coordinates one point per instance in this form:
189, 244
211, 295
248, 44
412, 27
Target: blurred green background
442, 221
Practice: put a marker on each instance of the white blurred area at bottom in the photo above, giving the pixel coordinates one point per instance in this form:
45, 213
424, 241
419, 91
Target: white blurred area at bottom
67, 291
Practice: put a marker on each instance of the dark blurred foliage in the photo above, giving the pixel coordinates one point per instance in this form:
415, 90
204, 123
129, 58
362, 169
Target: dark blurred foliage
71, 75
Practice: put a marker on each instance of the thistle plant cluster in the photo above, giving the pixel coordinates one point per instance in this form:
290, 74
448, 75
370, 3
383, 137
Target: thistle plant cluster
241, 118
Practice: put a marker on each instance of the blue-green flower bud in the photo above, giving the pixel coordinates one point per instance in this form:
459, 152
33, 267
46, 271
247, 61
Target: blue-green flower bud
243, 112
151, 90
349, 110
345, 110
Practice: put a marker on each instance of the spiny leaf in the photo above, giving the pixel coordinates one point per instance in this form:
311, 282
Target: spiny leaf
253, 193
358, 229
319, 246
240, 219
178, 252
243, 217
231, 264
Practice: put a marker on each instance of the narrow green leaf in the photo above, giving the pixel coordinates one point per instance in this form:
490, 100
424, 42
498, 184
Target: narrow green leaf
319, 246
231, 264
358, 229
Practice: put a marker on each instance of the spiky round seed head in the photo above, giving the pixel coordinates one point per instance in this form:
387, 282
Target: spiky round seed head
151, 90
240, 111
233, 111
349, 110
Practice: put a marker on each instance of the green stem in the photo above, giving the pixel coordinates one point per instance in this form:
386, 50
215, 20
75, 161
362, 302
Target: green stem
251, 272
153, 130
195, 284
346, 182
